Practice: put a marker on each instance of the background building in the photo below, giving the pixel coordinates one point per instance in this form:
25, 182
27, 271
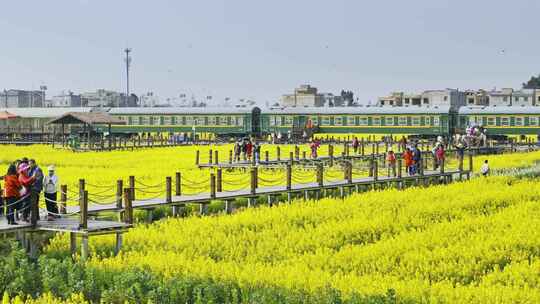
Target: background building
430, 98
66, 100
22, 98
304, 96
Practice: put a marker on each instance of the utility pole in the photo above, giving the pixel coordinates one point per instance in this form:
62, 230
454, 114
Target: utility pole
128, 63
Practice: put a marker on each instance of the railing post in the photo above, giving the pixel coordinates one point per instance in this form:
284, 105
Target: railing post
132, 187
375, 170
210, 157
349, 172
216, 157
278, 153
81, 187
371, 161
168, 189
303, 155
421, 167
197, 157
219, 185
253, 181
296, 152
320, 175
362, 147
128, 208
291, 158
266, 156
83, 210
400, 167
119, 193
178, 184
331, 154
212, 185
63, 199
230, 157
289, 176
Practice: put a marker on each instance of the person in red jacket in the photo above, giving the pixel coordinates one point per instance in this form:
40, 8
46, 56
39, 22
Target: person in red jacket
26, 182
11, 193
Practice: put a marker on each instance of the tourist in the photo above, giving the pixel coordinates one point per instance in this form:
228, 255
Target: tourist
314, 146
11, 193
237, 150
439, 156
50, 189
26, 182
249, 149
257, 152
355, 145
460, 151
417, 159
485, 168
407, 157
391, 161
37, 185
244, 149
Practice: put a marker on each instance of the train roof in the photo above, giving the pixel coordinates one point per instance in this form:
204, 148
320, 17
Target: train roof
359, 110
500, 110
44, 112
180, 110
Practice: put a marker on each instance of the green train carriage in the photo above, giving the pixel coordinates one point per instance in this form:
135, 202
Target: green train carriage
220, 121
501, 121
424, 122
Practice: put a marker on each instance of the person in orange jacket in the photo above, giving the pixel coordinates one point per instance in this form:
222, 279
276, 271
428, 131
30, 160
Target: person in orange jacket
408, 158
11, 193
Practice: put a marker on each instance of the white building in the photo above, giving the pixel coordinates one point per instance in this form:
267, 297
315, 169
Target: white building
101, 98
430, 98
66, 100
304, 96
509, 97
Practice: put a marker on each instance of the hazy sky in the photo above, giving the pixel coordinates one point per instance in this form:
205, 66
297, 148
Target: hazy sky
262, 49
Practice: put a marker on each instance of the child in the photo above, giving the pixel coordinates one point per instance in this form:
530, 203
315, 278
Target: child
485, 168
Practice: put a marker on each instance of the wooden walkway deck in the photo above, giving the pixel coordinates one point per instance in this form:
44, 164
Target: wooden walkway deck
228, 196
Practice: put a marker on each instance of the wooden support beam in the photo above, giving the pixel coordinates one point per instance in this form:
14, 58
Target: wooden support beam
219, 182
197, 157
178, 184
84, 247
210, 154
132, 187
289, 176
119, 193
320, 175
212, 185
118, 245
63, 199
73, 243
229, 206
128, 208
216, 157
168, 189
266, 156
278, 151
83, 213
253, 179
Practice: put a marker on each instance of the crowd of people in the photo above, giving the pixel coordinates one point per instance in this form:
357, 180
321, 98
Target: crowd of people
23, 184
247, 150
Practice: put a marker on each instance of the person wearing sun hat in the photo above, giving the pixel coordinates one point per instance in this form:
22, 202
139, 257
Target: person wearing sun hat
50, 189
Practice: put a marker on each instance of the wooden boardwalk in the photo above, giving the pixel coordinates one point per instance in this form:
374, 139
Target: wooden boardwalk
205, 198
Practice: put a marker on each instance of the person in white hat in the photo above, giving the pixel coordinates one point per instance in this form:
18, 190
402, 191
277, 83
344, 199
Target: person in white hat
50, 185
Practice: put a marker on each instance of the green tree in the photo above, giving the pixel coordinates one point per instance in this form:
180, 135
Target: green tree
533, 83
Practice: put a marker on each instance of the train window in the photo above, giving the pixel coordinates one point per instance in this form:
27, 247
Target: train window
145, 120
505, 121
415, 121
436, 121
533, 121
326, 121
363, 121
338, 121
223, 120
314, 120
212, 120
519, 121
491, 121
389, 121
472, 120
165, 120
278, 120
351, 121
272, 120
140, 120
376, 121
288, 120
239, 121
402, 120
427, 121
189, 121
